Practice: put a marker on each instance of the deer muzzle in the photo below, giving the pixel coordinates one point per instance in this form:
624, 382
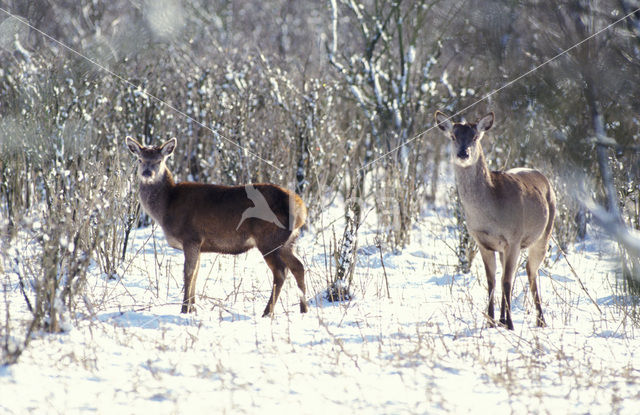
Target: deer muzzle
463, 153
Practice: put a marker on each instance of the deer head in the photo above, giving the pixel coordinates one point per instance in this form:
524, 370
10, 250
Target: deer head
465, 137
151, 160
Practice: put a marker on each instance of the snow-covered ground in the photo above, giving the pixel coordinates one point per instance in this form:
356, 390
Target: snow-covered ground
423, 347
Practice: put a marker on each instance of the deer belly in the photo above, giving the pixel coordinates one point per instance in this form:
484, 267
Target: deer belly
173, 242
228, 245
491, 242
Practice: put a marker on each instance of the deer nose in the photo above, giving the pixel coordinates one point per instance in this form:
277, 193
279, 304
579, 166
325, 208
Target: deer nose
463, 154
146, 173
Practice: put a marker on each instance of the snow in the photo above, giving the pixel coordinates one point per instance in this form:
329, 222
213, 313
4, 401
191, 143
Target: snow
426, 349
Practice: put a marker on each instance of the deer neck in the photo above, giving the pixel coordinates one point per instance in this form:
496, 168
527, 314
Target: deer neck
154, 197
474, 183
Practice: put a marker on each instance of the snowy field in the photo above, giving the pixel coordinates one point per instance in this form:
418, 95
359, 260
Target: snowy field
421, 347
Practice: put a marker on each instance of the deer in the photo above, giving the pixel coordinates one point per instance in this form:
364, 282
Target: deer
505, 211
199, 218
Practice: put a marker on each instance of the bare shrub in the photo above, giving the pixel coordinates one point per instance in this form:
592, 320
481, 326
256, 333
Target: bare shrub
58, 192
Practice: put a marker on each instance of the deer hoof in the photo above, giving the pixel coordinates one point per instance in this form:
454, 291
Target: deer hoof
506, 323
304, 307
188, 309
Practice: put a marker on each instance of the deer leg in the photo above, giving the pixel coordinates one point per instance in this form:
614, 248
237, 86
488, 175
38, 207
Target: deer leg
192, 286
536, 255
278, 267
297, 269
502, 264
489, 261
191, 265
510, 261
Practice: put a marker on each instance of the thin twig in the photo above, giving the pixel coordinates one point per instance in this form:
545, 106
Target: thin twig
384, 269
575, 274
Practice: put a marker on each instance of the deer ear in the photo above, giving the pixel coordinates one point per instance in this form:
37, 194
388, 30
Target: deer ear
167, 148
133, 146
443, 122
486, 122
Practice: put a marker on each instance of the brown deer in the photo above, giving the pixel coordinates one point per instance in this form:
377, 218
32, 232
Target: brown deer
198, 217
506, 211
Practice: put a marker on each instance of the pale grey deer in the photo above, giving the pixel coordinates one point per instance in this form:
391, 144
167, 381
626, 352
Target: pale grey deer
506, 211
